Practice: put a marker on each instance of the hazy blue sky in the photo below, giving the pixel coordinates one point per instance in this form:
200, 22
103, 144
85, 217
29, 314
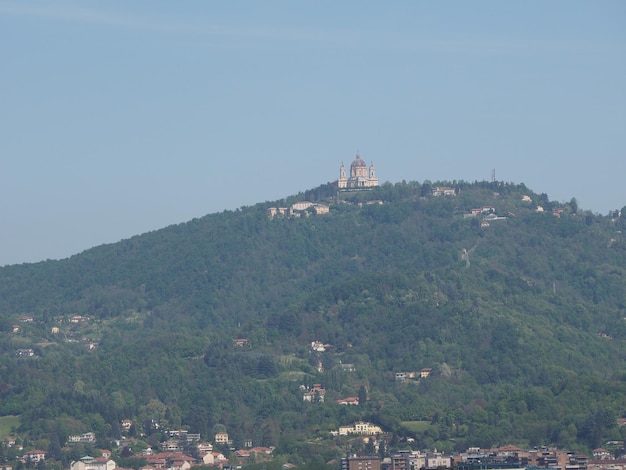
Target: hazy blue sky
117, 117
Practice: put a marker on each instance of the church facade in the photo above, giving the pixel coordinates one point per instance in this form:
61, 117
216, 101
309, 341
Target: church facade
360, 177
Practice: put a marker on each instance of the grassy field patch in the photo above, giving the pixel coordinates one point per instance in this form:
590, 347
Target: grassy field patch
415, 426
7, 423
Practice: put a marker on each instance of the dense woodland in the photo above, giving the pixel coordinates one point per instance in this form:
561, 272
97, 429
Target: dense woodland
523, 323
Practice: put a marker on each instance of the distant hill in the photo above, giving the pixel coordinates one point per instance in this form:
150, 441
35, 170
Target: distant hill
516, 304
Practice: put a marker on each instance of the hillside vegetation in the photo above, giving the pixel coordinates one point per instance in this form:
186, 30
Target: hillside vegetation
521, 321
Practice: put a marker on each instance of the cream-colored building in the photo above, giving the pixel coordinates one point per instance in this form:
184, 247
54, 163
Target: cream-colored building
361, 427
297, 209
301, 206
359, 177
221, 438
86, 438
321, 209
89, 463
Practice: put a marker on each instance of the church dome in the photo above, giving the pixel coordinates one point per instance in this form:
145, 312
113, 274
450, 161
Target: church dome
358, 162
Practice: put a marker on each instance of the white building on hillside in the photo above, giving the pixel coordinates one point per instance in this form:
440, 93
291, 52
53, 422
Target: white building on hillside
360, 177
361, 428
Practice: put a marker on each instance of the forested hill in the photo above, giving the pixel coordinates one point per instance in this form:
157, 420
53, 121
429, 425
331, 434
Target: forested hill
519, 313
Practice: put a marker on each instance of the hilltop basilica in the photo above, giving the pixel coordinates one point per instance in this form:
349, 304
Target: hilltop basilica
360, 177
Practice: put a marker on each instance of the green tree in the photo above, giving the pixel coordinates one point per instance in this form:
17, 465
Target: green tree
362, 395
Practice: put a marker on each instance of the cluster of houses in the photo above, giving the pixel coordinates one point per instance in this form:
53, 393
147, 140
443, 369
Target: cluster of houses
537, 458
488, 214
413, 375
316, 393
154, 461
203, 454
24, 352
313, 394
24, 320
194, 452
401, 460
27, 319
298, 209
443, 191
556, 212
501, 458
182, 451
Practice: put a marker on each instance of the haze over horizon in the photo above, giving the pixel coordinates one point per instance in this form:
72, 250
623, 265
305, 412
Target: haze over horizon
118, 119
